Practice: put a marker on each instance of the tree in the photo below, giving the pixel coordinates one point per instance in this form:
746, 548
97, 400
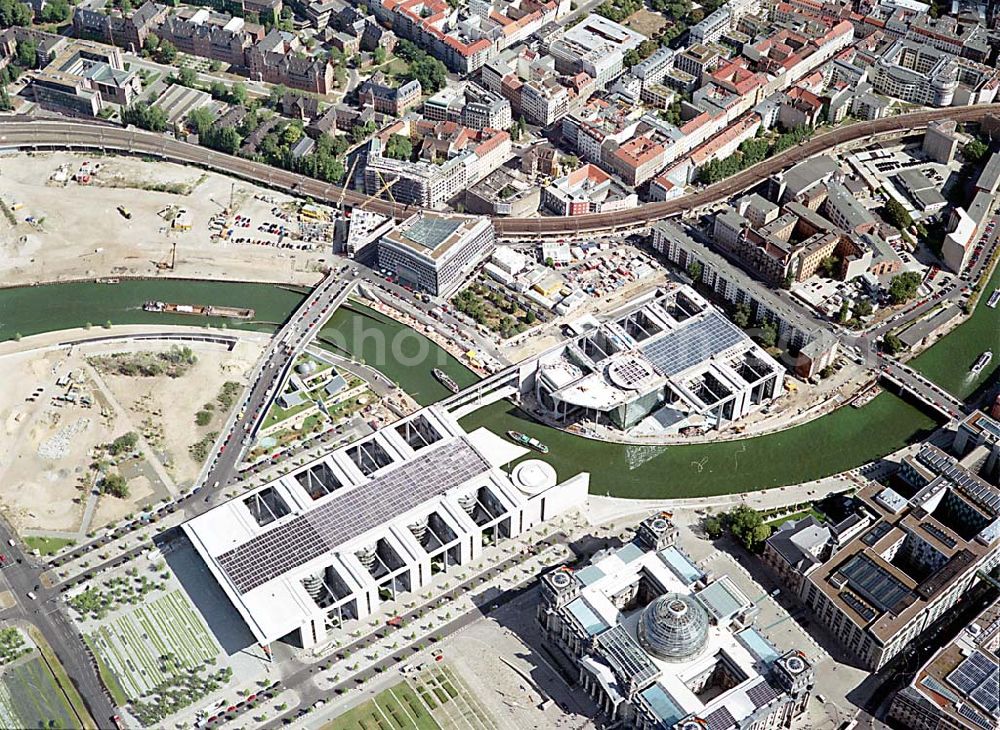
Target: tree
124, 443
274, 98
379, 55
55, 11
695, 270
13, 13
187, 77
787, 282
632, 58
530, 317
896, 214
741, 317
768, 334
893, 344
115, 485
201, 120
713, 527
218, 90
27, 54
975, 151
166, 52
863, 308
430, 72
828, 266
845, 312
145, 116
904, 286
150, 45
238, 93
399, 147
747, 525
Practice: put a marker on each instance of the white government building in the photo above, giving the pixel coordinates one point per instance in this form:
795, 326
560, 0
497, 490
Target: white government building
660, 645
333, 539
673, 356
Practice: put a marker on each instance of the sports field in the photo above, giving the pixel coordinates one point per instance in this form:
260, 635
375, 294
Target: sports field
433, 700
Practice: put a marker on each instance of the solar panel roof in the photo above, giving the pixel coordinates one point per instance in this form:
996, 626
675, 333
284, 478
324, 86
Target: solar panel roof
978, 678
693, 343
350, 513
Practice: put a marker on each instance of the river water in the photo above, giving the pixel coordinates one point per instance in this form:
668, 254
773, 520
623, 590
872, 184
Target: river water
845, 438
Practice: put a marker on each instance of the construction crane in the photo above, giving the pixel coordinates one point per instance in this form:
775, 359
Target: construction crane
386, 188
168, 262
347, 181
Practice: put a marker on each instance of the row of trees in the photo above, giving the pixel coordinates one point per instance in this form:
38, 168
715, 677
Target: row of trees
751, 152
634, 55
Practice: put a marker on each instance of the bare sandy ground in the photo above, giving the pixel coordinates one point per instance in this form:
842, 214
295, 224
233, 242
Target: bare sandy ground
164, 408
47, 448
44, 467
110, 510
82, 235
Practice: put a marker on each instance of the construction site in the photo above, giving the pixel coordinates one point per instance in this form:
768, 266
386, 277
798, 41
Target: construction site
69, 216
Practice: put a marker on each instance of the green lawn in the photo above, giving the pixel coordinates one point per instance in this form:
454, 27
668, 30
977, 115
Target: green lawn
397, 708
48, 545
775, 524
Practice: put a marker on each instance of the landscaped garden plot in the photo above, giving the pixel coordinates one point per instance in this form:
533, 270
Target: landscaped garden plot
152, 644
436, 700
397, 708
30, 697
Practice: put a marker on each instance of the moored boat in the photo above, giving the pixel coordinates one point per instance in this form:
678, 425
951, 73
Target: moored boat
525, 440
446, 381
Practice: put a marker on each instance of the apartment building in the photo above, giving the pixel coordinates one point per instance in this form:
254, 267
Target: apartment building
531, 84
466, 39
596, 47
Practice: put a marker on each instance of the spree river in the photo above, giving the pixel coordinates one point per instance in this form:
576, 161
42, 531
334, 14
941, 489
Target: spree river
843, 439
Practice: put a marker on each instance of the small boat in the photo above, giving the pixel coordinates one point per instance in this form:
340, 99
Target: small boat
525, 440
981, 362
446, 381
994, 298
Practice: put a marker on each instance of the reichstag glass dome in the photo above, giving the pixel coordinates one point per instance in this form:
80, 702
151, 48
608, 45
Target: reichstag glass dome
673, 627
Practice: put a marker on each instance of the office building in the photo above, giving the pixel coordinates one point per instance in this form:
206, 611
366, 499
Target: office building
932, 532
435, 252
673, 357
958, 686
658, 644
83, 78
809, 346
370, 522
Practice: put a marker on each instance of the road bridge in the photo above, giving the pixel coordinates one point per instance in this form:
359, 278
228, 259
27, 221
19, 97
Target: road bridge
271, 375
921, 388
22, 133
